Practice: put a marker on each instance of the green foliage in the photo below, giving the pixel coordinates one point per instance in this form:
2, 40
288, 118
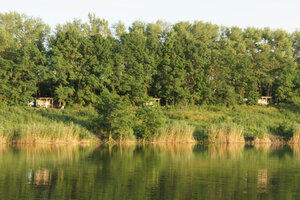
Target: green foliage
284, 129
253, 96
149, 121
22, 57
62, 93
227, 95
182, 63
116, 117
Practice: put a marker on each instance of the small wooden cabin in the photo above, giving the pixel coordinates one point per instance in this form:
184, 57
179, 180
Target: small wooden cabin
264, 100
44, 102
153, 102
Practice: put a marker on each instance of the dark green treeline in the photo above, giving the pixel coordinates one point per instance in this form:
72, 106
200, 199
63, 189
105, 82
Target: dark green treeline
196, 63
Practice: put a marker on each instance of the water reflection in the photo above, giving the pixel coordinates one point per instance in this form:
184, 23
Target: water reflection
262, 180
295, 149
40, 177
232, 151
150, 172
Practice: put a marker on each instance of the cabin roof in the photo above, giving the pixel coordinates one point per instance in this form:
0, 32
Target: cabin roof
44, 98
266, 97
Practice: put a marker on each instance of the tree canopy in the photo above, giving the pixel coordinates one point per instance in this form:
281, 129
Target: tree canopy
196, 63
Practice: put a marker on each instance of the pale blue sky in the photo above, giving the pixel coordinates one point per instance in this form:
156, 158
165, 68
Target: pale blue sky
283, 14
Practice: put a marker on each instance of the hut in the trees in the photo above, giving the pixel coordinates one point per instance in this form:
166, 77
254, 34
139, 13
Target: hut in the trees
153, 102
264, 100
44, 102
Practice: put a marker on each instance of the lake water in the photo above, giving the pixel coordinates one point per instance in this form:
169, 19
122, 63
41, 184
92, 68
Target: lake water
149, 172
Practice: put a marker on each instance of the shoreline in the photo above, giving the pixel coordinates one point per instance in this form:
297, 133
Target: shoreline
180, 125
143, 142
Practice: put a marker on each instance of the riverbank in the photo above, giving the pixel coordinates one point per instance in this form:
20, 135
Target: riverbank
250, 124
30, 125
180, 124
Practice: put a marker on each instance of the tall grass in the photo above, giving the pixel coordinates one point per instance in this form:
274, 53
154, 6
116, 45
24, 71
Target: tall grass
28, 125
265, 139
220, 124
125, 138
214, 124
296, 135
225, 133
175, 132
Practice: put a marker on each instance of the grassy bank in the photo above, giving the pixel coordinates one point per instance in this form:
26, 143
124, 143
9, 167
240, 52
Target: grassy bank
81, 125
181, 124
29, 125
259, 124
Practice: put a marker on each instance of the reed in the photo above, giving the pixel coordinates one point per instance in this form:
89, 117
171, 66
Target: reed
225, 133
266, 124
296, 135
175, 132
262, 138
126, 138
23, 125
212, 124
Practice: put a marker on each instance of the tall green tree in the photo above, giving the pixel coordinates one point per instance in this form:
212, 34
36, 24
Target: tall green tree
23, 57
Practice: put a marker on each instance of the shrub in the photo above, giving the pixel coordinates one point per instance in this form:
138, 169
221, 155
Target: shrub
284, 130
253, 97
148, 122
116, 116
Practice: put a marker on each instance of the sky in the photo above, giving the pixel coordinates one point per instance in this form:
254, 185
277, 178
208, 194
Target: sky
284, 14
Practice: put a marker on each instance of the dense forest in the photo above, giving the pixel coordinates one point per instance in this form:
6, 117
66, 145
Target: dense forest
195, 63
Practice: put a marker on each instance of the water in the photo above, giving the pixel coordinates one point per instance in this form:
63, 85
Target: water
149, 172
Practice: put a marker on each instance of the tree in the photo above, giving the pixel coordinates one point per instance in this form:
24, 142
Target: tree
22, 57
138, 66
62, 94
116, 118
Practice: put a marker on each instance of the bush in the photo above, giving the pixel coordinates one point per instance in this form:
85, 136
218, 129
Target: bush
116, 116
253, 97
284, 130
148, 122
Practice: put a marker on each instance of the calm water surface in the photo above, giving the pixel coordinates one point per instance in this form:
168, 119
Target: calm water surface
149, 172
